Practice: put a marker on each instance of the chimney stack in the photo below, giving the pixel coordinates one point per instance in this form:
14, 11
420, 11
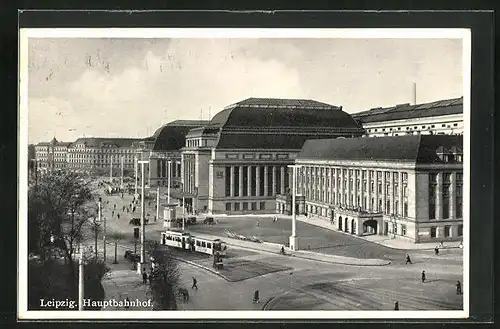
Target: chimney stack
414, 94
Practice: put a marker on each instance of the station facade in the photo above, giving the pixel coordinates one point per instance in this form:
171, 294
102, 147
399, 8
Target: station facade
237, 163
408, 187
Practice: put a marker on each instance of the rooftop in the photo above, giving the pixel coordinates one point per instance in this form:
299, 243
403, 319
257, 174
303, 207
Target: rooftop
103, 141
412, 148
407, 111
171, 137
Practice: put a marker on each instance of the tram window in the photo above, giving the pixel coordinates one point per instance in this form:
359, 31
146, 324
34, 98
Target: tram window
203, 244
209, 245
217, 246
198, 243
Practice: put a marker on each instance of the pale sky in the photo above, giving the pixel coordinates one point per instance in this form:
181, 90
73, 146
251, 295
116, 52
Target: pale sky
130, 87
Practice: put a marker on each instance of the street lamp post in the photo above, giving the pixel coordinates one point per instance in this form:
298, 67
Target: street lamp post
169, 173
80, 282
158, 202
294, 240
142, 266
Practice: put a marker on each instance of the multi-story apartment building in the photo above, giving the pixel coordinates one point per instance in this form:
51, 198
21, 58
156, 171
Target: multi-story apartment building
407, 187
51, 155
100, 154
238, 162
444, 117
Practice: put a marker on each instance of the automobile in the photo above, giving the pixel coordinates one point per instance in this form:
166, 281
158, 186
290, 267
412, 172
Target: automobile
208, 221
131, 256
137, 221
191, 220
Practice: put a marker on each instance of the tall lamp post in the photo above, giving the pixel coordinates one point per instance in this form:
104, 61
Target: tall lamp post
169, 179
141, 267
294, 239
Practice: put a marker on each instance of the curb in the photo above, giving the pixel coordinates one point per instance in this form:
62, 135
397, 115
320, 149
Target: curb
267, 303
203, 267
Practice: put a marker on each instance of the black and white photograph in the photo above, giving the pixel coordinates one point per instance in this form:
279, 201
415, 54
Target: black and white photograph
257, 173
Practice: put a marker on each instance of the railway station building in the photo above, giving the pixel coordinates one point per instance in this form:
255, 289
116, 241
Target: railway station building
237, 163
408, 187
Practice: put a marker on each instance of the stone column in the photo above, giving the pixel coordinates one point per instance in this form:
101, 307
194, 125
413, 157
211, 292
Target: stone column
453, 192
266, 180
355, 189
274, 181
401, 198
231, 181
282, 178
375, 181
384, 196
330, 187
249, 180
439, 196
368, 191
257, 181
241, 181
392, 199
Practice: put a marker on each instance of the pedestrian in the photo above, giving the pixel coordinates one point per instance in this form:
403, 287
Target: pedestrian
256, 297
194, 284
423, 276
118, 215
112, 213
436, 250
144, 278
123, 209
459, 288
282, 250
133, 210
155, 218
408, 260
396, 306
114, 206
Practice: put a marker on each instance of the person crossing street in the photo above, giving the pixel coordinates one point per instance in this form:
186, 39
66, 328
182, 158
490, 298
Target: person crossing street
195, 284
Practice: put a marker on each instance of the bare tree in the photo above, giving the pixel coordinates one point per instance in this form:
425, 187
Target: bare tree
164, 277
116, 237
57, 213
95, 229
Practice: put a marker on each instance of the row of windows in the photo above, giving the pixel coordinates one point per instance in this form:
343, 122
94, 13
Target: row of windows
196, 142
250, 183
414, 127
230, 206
447, 231
351, 173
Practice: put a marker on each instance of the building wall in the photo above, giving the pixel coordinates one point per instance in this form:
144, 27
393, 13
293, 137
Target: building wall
400, 194
447, 124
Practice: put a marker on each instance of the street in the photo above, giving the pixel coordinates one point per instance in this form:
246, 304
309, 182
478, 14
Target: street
291, 283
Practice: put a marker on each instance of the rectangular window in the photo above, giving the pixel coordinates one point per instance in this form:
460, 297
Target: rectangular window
262, 205
403, 230
228, 182
447, 231
236, 206
460, 230
261, 182
254, 205
253, 180
245, 181
203, 244
245, 205
237, 181
433, 232
405, 209
228, 206
278, 180
270, 180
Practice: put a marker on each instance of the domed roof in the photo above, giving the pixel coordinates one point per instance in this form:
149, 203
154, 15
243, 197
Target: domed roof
171, 137
266, 112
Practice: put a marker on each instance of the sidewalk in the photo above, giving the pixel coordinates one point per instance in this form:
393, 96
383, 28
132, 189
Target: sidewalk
275, 248
383, 240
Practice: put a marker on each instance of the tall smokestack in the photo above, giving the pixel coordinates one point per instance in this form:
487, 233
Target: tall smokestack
414, 94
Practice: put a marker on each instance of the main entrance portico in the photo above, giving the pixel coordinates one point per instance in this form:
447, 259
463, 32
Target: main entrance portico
358, 222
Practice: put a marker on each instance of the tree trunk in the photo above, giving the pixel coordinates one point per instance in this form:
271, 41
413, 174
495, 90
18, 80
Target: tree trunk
116, 251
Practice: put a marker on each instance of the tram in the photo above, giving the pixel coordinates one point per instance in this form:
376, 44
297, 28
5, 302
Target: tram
188, 242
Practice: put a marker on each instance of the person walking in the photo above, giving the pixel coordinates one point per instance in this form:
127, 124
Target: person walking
118, 215
408, 260
436, 250
195, 283
133, 209
123, 208
396, 306
144, 277
112, 213
114, 206
423, 276
282, 250
256, 297
459, 288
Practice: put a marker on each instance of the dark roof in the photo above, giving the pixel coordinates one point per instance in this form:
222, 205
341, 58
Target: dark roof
172, 136
267, 123
53, 142
407, 111
100, 141
266, 112
414, 148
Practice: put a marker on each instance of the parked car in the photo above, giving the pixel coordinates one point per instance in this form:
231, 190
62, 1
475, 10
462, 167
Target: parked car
191, 220
208, 221
137, 221
131, 256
